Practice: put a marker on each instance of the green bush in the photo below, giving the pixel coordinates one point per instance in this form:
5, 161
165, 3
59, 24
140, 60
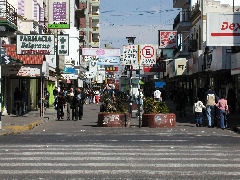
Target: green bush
150, 106
116, 103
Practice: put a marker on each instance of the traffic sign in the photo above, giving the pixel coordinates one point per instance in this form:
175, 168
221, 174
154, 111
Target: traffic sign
148, 54
5, 59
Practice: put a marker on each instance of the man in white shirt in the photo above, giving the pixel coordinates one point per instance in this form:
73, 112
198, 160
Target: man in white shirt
157, 95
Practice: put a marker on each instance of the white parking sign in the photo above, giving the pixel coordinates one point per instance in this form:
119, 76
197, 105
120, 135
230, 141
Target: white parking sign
148, 54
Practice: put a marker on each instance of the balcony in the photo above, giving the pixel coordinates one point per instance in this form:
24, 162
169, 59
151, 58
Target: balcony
181, 4
195, 12
95, 29
182, 21
8, 16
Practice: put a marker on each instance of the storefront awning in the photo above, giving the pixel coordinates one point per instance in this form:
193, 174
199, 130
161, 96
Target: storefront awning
26, 59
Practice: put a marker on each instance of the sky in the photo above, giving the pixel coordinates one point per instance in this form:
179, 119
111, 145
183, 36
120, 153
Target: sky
139, 18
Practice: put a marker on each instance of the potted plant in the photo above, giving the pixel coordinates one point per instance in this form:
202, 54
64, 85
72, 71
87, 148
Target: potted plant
114, 110
156, 114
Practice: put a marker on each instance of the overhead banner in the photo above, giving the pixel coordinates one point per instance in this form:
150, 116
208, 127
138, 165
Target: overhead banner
105, 60
223, 29
59, 14
28, 44
148, 54
167, 39
130, 55
100, 52
63, 45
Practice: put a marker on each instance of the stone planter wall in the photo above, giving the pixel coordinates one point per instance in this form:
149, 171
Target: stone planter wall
113, 120
159, 120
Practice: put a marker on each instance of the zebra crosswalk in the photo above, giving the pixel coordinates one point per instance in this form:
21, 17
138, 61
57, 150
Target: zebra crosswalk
103, 161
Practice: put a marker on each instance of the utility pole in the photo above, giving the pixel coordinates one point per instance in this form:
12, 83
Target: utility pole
139, 89
130, 42
233, 6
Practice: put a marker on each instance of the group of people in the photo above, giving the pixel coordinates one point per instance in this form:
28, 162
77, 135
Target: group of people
214, 106
74, 101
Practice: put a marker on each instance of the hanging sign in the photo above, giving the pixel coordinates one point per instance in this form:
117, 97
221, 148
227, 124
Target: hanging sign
59, 14
105, 60
168, 39
148, 54
100, 52
3, 8
63, 45
28, 44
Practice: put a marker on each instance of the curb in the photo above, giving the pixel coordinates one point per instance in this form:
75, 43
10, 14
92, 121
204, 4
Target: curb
17, 129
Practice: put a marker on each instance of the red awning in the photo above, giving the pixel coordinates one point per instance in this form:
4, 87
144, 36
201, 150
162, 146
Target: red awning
27, 59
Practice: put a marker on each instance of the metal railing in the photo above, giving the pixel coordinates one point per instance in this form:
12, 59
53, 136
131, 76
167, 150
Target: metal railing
11, 14
183, 16
195, 9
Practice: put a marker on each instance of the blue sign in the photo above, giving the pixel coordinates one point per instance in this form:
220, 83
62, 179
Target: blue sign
68, 70
108, 60
159, 84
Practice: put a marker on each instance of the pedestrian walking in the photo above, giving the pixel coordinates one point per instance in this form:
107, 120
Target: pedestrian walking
197, 110
79, 100
70, 96
222, 106
210, 101
55, 94
60, 103
157, 95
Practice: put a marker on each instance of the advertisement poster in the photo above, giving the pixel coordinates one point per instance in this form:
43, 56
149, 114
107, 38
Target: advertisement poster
168, 39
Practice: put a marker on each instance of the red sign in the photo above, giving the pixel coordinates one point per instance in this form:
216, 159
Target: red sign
148, 52
168, 39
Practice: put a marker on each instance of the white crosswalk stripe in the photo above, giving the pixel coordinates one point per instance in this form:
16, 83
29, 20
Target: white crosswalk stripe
110, 160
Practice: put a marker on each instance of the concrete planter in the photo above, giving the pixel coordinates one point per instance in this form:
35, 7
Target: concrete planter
113, 119
159, 120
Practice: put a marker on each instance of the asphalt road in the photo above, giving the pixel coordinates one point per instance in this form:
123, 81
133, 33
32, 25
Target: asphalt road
80, 150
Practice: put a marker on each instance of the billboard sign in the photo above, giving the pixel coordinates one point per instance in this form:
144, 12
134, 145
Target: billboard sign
59, 14
167, 39
130, 55
28, 44
105, 60
63, 45
100, 52
148, 54
223, 29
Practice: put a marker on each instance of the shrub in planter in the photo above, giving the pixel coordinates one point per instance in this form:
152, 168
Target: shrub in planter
156, 114
113, 110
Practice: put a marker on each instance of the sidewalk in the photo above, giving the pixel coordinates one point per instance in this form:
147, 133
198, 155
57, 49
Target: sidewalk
12, 124
233, 122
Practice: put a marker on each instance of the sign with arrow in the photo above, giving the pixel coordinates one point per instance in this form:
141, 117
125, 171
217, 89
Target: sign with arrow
5, 59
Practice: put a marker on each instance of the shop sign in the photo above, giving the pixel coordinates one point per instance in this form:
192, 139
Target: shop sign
59, 14
223, 29
28, 44
167, 39
89, 58
106, 60
63, 45
23, 71
180, 67
100, 52
130, 55
111, 69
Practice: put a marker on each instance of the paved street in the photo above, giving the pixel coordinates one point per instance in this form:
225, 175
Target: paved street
79, 149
